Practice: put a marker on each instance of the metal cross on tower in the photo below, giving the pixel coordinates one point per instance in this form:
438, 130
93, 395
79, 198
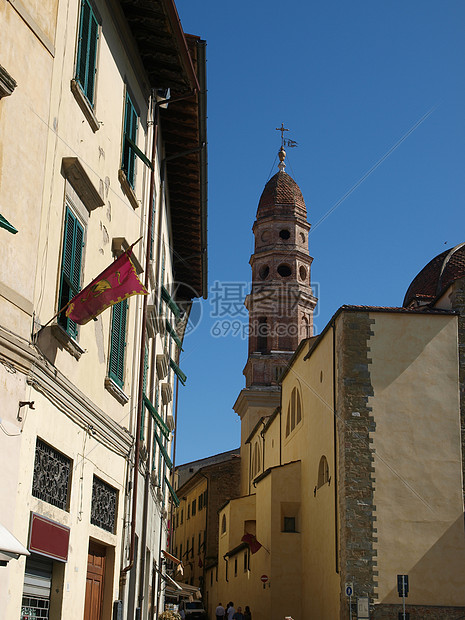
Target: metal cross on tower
282, 129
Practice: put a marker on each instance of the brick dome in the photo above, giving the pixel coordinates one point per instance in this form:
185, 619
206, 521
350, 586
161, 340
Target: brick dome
437, 276
281, 194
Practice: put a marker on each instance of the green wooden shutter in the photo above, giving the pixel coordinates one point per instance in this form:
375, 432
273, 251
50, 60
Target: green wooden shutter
87, 51
130, 130
118, 342
92, 63
144, 391
70, 279
152, 231
4, 223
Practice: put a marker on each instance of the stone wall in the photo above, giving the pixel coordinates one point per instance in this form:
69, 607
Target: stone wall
355, 467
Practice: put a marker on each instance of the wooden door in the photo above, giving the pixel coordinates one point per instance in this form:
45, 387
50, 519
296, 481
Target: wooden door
94, 582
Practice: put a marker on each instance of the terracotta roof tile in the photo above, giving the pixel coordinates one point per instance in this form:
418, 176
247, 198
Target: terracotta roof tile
437, 275
282, 192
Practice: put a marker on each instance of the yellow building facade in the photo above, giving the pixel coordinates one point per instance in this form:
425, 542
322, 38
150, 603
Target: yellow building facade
352, 469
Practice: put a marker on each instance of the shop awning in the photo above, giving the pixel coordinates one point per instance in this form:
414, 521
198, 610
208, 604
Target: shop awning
10, 547
187, 591
169, 556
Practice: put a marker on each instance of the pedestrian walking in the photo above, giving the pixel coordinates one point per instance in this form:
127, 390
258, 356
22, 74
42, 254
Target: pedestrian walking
247, 613
238, 615
231, 611
220, 612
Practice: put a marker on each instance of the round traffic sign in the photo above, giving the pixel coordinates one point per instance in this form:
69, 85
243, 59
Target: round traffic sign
349, 591
264, 578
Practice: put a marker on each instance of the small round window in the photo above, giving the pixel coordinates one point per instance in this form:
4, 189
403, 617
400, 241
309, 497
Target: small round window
284, 234
302, 272
284, 270
263, 272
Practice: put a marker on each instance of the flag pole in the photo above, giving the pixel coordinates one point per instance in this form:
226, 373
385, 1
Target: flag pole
55, 315
66, 305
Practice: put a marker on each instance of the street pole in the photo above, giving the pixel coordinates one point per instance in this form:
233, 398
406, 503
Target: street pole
350, 606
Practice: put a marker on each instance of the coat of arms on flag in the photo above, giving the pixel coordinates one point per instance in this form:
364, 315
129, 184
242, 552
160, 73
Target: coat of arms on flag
116, 283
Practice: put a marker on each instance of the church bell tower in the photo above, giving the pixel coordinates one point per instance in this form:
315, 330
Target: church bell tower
281, 301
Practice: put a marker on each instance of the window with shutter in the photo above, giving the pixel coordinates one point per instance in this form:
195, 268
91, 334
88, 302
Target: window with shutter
70, 277
86, 63
118, 342
131, 120
144, 390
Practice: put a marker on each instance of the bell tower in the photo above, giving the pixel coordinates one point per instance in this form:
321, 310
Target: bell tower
281, 300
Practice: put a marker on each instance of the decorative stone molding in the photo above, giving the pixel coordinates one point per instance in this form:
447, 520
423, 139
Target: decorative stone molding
7, 83
166, 392
63, 394
70, 345
162, 363
75, 173
120, 245
85, 106
170, 422
127, 189
116, 391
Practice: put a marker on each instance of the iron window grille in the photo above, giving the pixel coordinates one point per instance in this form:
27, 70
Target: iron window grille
104, 505
51, 480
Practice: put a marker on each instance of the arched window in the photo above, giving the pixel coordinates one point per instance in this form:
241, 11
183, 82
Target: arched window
294, 411
298, 408
323, 472
256, 464
223, 524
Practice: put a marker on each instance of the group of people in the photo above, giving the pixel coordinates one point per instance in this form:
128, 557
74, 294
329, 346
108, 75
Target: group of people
231, 614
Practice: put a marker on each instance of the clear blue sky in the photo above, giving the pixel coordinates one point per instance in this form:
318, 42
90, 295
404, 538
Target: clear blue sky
350, 80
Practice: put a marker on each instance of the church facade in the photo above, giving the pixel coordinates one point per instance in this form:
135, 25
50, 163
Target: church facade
351, 442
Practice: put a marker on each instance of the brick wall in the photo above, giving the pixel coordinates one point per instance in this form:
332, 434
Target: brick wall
223, 484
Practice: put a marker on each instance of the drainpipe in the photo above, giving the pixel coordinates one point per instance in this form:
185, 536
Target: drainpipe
262, 435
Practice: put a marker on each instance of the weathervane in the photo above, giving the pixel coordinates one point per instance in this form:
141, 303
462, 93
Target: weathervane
290, 143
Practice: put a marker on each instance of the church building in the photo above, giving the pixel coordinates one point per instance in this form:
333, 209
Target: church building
351, 442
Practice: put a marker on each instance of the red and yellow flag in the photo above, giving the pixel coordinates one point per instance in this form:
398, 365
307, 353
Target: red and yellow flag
119, 281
